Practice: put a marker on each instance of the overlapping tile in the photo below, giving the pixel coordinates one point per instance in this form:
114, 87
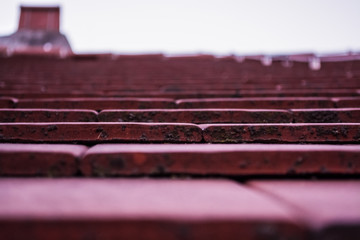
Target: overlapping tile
219, 159
197, 116
335, 115
141, 209
100, 132
257, 103
47, 115
330, 208
347, 102
40, 159
96, 103
282, 133
7, 102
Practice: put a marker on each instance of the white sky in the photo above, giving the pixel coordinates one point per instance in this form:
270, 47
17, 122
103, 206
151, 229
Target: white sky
202, 26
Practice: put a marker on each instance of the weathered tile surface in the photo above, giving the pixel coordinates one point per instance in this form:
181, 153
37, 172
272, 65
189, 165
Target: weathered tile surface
284, 133
100, 132
331, 208
47, 115
96, 103
40, 159
257, 103
334, 115
197, 116
219, 159
141, 209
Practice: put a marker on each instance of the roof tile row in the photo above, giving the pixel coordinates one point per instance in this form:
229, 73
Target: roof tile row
156, 103
178, 209
164, 159
197, 116
180, 132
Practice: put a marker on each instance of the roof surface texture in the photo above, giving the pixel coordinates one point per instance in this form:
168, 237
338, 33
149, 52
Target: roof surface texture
103, 146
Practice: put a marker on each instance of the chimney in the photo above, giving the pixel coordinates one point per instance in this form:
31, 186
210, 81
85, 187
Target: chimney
40, 18
38, 34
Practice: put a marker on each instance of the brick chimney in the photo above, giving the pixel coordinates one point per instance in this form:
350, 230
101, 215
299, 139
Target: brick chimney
38, 33
40, 18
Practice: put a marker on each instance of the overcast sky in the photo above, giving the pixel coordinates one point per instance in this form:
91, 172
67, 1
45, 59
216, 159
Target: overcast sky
202, 26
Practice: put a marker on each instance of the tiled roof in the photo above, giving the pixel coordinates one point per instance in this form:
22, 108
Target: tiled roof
103, 146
